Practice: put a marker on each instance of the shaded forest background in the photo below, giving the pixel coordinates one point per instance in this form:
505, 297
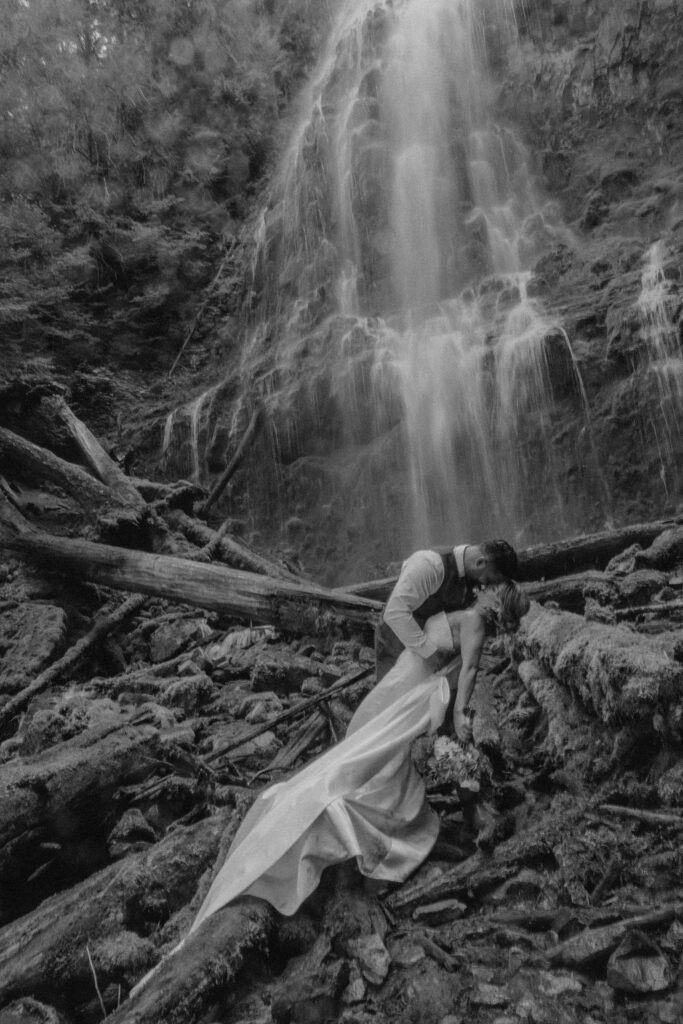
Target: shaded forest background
133, 136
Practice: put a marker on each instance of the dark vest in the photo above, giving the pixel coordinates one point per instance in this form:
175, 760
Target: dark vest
454, 593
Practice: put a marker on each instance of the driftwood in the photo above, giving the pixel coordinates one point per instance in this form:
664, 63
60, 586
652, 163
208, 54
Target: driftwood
285, 716
43, 953
596, 943
101, 628
230, 550
307, 733
63, 793
246, 596
237, 459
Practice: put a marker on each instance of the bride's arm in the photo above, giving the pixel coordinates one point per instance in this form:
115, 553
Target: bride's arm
472, 634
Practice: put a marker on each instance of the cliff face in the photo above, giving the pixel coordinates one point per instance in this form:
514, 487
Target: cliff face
598, 88
594, 90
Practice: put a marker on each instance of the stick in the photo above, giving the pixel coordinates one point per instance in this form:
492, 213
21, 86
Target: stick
236, 460
97, 987
72, 656
285, 716
660, 606
648, 817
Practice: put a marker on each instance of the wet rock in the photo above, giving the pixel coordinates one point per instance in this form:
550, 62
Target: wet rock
422, 994
171, 637
310, 988
190, 693
31, 636
485, 994
30, 1011
405, 951
638, 965
372, 956
131, 834
640, 587
665, 552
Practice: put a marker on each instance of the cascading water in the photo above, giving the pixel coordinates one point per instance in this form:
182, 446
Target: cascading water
412, 380
663, 362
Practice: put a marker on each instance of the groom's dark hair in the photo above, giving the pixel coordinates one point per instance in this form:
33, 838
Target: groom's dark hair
502, 556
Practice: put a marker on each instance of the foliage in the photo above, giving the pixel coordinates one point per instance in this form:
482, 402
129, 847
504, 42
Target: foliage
133, 136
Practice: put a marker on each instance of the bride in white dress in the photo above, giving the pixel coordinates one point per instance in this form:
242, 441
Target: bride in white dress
364, 798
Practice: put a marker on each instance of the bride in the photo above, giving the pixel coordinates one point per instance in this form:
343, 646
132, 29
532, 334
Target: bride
364, 798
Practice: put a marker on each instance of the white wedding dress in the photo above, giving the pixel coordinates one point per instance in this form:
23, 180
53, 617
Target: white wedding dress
363, 798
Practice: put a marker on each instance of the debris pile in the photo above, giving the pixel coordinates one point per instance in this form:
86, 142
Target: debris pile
157, 674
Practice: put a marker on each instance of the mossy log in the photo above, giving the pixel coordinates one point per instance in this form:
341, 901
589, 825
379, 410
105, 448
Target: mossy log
200, 975
63, 795
246, 596
115, 911
38, 464
565, 729
617, 673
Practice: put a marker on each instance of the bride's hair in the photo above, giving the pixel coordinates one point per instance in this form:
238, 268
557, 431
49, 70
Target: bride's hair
503, 606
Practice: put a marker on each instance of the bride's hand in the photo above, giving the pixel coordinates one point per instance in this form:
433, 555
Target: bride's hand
462, 726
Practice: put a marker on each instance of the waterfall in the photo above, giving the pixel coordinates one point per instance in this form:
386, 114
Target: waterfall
413, 383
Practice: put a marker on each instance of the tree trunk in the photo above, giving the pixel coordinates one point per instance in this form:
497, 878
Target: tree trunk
246, 596
43, 953
200, 974
63, 794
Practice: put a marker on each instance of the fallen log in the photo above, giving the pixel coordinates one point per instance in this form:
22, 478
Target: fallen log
245, 596
565, 732
100, 463
101, 629
617, 673
548, 561
63, 796
39, 463
231, 551
196, 978
570, 592
43, 953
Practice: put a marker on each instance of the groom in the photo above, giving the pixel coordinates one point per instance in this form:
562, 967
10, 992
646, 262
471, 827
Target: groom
434, 581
